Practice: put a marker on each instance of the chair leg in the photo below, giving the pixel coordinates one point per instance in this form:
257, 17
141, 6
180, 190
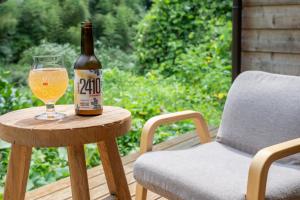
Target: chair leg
140, 193
17, 175
113, 169
78, 173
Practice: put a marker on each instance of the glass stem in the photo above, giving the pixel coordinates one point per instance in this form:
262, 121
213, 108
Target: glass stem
50, 110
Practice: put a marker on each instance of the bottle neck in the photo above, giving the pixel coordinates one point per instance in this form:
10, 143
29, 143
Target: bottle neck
87, 42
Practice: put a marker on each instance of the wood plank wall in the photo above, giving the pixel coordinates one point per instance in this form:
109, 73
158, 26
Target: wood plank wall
271, 36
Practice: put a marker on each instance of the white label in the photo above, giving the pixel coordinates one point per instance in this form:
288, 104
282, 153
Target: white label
88, 89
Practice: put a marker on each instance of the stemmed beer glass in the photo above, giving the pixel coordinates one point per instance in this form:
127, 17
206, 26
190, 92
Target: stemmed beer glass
48, 80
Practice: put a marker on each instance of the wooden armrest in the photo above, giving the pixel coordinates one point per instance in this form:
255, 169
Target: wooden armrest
259, 168
154, 122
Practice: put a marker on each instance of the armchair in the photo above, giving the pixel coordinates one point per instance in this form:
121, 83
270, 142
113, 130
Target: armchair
260, 126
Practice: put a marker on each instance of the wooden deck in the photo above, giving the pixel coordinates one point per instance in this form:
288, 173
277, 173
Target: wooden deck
61, 189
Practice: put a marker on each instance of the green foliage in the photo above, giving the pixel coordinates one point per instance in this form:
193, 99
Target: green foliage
26, 23
38, 20
69, 52
170, 27
110, 57
17, 74
114, 57
114, 21
4, 154
150, 95
48, 164
74, 11
206, 62
8, 23
11, 98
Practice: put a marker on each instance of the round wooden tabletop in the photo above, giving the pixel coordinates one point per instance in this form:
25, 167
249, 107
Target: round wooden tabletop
20, 127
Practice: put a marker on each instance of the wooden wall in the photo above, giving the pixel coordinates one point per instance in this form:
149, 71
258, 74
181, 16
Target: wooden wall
271, 36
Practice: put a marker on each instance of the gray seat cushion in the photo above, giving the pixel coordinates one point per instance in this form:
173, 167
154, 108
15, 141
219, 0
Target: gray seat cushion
211, 171
262, 109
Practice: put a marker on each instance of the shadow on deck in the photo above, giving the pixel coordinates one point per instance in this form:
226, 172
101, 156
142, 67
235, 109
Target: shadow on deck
61, 190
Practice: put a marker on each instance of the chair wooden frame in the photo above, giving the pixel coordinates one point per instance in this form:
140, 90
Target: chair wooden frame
259, 168
258, 172
152, 124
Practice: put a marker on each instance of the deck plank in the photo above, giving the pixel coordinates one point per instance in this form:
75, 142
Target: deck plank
61, 190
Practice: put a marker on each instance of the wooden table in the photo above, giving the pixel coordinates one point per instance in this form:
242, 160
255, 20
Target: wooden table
24, 132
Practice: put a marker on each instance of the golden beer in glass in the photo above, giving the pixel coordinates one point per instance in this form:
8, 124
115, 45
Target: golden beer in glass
48, 80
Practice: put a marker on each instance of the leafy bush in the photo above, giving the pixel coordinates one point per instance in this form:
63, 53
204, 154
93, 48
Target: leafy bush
24, 24
8, 23
114, 21
170, 27
114, 57
11, 98
69, 52
38, 20
207, 65
19, 72
110, 57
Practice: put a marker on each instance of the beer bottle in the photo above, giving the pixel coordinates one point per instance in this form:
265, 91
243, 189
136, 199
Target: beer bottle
87, 76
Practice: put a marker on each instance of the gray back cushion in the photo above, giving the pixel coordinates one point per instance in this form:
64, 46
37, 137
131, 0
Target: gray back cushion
262, 109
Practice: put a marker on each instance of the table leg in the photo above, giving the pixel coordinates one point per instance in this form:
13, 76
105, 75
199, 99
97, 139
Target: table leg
113, 169
17, 175
78, 173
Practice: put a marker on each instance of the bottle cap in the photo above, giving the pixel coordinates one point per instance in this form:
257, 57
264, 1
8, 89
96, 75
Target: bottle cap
86, 24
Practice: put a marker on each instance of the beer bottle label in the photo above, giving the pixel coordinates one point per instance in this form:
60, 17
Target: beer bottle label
88, 89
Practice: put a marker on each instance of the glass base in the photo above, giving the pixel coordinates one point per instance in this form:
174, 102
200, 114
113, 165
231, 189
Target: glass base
50, 116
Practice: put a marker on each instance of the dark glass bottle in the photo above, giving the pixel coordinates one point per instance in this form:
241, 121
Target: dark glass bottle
87, 76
